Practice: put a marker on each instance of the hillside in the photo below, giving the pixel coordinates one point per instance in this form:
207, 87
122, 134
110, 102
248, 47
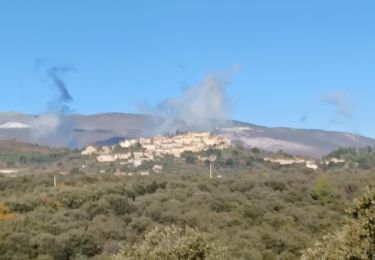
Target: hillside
109, 128
255, 212
257, 205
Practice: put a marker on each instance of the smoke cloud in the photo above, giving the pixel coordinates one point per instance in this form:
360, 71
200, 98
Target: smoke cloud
342, 103
303, 118
54, 130
61, 103
203, 106
56, 127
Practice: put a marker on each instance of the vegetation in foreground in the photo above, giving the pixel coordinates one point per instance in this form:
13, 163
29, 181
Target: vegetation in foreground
260, 215
355, 240
256, 210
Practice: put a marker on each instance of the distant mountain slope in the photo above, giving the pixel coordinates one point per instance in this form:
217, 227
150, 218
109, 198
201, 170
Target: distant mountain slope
303, 142
108, 128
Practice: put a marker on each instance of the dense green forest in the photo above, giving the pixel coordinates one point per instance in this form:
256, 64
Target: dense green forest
354, 240
251, 210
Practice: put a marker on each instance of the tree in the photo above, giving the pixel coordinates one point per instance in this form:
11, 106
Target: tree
190, 158
174, 243
5, 214
356, 240
323, 190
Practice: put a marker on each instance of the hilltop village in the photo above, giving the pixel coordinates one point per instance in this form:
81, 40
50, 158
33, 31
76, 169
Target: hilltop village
137, 151
152, 155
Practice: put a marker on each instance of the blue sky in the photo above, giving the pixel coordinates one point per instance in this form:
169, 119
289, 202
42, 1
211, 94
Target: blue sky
304, 64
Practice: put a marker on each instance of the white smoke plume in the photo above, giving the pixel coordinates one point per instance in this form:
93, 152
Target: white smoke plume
54, 129
203, 106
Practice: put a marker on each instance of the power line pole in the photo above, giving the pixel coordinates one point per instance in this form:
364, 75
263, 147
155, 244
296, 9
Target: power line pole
212, 159
54, 181
210, 170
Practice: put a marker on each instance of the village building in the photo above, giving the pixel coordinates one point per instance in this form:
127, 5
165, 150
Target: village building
89, 150
106, 158
145, 173
157, 168
159, 146
106, 150
128, 143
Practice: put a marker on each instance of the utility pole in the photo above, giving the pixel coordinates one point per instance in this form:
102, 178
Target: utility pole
212, 159
210, 170
54, 181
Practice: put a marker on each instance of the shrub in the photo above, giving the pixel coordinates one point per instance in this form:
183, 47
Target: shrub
322, 191
173, 242
356, 240
5, 214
